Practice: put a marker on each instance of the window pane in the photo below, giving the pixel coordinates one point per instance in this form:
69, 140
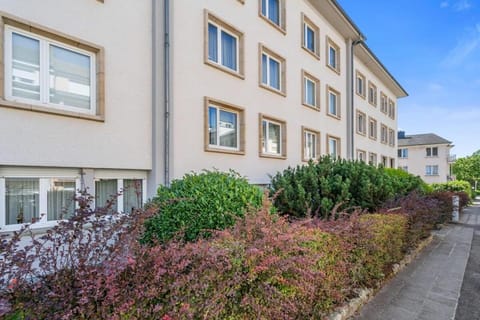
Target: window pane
274, 11
264, 69
264, 7
212, 125
310, 92
228, 129
264, 136
212, 43
274, 74
332, 147
274, 138
332, 57
132, 195
21, 200
229, 51
61, 199
25, 67
309, 38
435, 151
106, 190
70, 81
333, 103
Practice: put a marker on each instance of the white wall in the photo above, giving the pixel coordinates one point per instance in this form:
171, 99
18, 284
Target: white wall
417, 161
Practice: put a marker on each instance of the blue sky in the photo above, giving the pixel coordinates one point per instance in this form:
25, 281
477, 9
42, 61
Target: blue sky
432, 47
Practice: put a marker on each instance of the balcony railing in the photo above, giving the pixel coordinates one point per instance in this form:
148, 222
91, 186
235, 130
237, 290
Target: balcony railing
451, 158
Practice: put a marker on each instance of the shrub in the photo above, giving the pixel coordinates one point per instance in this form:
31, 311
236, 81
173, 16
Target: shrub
313, 190
454, 186
199, 203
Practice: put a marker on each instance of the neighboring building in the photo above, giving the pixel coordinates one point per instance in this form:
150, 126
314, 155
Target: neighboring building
95, 94
425, 155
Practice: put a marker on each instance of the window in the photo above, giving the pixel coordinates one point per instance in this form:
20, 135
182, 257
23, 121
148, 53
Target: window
372, 158
431, 170
383, 134
403, 153
105, 192
383, 103
333, 55
311, 144
384, 161
361, 155
60, 198
372, 94
333, 145
224, 127
310, 37
54, 76
361, 123
432, 151
311, 91
273, 11
372, 128
272, 137
391, 137
360, 85
132, 195
391, 109
392, 163
22, 200
272, 75
333, 102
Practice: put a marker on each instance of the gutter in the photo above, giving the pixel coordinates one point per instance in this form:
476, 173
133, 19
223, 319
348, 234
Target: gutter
166, 90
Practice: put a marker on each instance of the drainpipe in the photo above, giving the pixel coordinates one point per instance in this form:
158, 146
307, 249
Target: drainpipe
351, 99
166, 89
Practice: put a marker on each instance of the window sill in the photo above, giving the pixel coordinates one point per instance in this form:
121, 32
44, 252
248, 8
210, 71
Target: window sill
373, 138
272, 156
336, 70
309, 106
312, 53
282, 29
225, 151
41, 109
333, 116
361, 95
283, 94
225, 69
372, 104
364, 134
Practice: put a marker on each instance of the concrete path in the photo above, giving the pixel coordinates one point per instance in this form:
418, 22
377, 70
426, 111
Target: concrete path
429, 288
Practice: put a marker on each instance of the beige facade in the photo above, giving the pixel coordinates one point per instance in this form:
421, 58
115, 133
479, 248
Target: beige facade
243, 89
54, 56
427, 156
94, 94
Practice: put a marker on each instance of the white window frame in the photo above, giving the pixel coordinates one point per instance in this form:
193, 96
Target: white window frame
44, 43
360, 89
383, 134
372, 134
431, 170
267, 11
362, 155
431, 152
335, 154
280, 72
333, 92
361, 125
307, 154
306, 79
219, 108
391, 137
336, 49
383, 103
403, 153
266, 148
219, 46
372, 94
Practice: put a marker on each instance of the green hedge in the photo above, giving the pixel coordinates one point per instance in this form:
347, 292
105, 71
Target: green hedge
454, 186
198, 203
314, 189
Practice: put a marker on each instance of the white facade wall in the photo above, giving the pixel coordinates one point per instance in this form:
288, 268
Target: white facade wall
417, 161
364, 142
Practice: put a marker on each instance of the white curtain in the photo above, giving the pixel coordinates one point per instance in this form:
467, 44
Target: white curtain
105, 190
21, 200
61, 200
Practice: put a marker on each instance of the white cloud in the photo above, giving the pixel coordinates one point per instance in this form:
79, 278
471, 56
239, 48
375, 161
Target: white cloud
444, 4
462, 5
435, 87
464, 48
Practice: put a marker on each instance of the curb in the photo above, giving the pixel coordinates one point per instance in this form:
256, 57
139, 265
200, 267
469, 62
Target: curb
365, 295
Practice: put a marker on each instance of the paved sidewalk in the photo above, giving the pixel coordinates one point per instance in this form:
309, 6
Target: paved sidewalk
429, 288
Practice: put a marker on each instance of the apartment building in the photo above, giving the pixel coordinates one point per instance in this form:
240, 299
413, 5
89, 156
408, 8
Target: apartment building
262, 85
426, 155
75, 105
95, 94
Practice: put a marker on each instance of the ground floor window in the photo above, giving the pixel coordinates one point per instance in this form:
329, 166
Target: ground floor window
21, 200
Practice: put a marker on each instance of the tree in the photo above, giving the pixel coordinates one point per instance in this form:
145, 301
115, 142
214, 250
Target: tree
468, 168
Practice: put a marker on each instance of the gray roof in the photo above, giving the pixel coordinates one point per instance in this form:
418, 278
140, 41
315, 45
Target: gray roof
421, 139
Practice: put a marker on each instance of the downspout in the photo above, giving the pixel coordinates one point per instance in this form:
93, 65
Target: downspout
166, 90
351, 85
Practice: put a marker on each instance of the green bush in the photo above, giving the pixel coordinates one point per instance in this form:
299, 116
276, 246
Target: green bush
199, 203
404, 182
454, 186
314, 189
